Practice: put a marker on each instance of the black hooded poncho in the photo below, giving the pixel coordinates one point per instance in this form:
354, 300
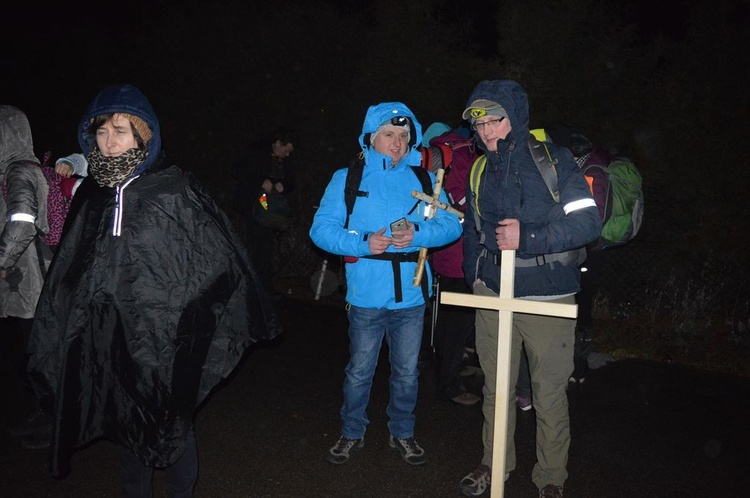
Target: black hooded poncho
149, 303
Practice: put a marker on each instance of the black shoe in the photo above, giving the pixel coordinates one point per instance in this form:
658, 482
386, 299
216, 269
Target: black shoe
343, 449
466, 399
35, 421
477, 482
38, 440
411, 452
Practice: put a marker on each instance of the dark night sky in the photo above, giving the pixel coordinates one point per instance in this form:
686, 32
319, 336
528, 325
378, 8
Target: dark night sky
50, 42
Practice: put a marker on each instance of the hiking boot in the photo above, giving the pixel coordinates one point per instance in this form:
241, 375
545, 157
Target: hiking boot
35, 421
466, 399
524, 403
551, 491
477, 482
38, 440
411, 452
343, 449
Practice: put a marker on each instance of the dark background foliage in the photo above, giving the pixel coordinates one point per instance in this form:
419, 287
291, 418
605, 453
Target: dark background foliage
664, 84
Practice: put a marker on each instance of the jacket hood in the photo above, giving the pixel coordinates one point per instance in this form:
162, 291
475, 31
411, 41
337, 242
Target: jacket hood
513, 98
15, 138
122, 99
379, 114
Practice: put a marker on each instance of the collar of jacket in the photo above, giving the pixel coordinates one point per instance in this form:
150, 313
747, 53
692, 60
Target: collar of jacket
384, 162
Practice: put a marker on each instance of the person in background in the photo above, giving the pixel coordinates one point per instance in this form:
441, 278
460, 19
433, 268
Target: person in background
265, 179
585, 154
151, 301
511, 208
455, 325
382, 300
24, 257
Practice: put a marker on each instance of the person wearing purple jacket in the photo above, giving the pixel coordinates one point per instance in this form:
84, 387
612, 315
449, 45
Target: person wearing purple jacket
455, 325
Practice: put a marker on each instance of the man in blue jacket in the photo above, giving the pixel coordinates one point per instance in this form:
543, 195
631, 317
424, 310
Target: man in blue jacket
511, 208
382, 300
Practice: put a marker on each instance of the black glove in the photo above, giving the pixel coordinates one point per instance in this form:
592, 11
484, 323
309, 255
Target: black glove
13, 276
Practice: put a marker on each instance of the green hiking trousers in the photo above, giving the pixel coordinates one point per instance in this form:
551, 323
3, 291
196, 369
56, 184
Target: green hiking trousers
549, 345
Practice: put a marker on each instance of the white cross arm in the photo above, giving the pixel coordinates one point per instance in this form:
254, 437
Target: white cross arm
514, 305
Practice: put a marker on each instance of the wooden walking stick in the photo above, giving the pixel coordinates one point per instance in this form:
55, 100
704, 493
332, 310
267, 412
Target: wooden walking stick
431, 212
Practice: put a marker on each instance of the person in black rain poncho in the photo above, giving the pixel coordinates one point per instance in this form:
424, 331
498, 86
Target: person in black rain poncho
150, 302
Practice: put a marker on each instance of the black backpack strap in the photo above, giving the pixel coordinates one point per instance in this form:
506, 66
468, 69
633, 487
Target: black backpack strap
351, 189
396, 258
424, 179
426, 182
546, 165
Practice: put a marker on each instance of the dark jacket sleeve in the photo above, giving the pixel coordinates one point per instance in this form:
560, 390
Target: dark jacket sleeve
22, 198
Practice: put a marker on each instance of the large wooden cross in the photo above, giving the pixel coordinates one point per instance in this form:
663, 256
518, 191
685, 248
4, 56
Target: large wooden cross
506, 305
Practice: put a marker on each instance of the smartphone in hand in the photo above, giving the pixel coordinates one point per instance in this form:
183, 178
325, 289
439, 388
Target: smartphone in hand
400, 224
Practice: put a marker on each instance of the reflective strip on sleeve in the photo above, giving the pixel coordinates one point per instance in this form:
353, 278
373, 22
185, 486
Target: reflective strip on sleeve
22, 217
579, 204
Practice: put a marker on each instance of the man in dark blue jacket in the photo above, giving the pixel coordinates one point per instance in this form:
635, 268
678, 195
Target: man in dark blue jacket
511, 208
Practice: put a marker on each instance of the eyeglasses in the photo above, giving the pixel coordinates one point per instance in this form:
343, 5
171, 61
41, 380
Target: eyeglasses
400, 121
492, 123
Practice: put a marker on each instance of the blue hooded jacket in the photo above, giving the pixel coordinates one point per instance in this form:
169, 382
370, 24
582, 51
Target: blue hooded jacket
512, 187
370, 283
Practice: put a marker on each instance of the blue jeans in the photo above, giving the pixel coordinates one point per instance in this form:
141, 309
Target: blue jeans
403, 330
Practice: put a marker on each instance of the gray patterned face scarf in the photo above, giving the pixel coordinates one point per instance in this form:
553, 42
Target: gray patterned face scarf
112, 171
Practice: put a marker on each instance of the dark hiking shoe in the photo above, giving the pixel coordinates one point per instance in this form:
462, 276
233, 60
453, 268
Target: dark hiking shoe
466, 399
411, 452
477, 482
551, 491
343, 449
35, 421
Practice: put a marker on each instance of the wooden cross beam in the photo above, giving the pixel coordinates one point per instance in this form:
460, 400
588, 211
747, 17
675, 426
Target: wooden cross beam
506, 305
